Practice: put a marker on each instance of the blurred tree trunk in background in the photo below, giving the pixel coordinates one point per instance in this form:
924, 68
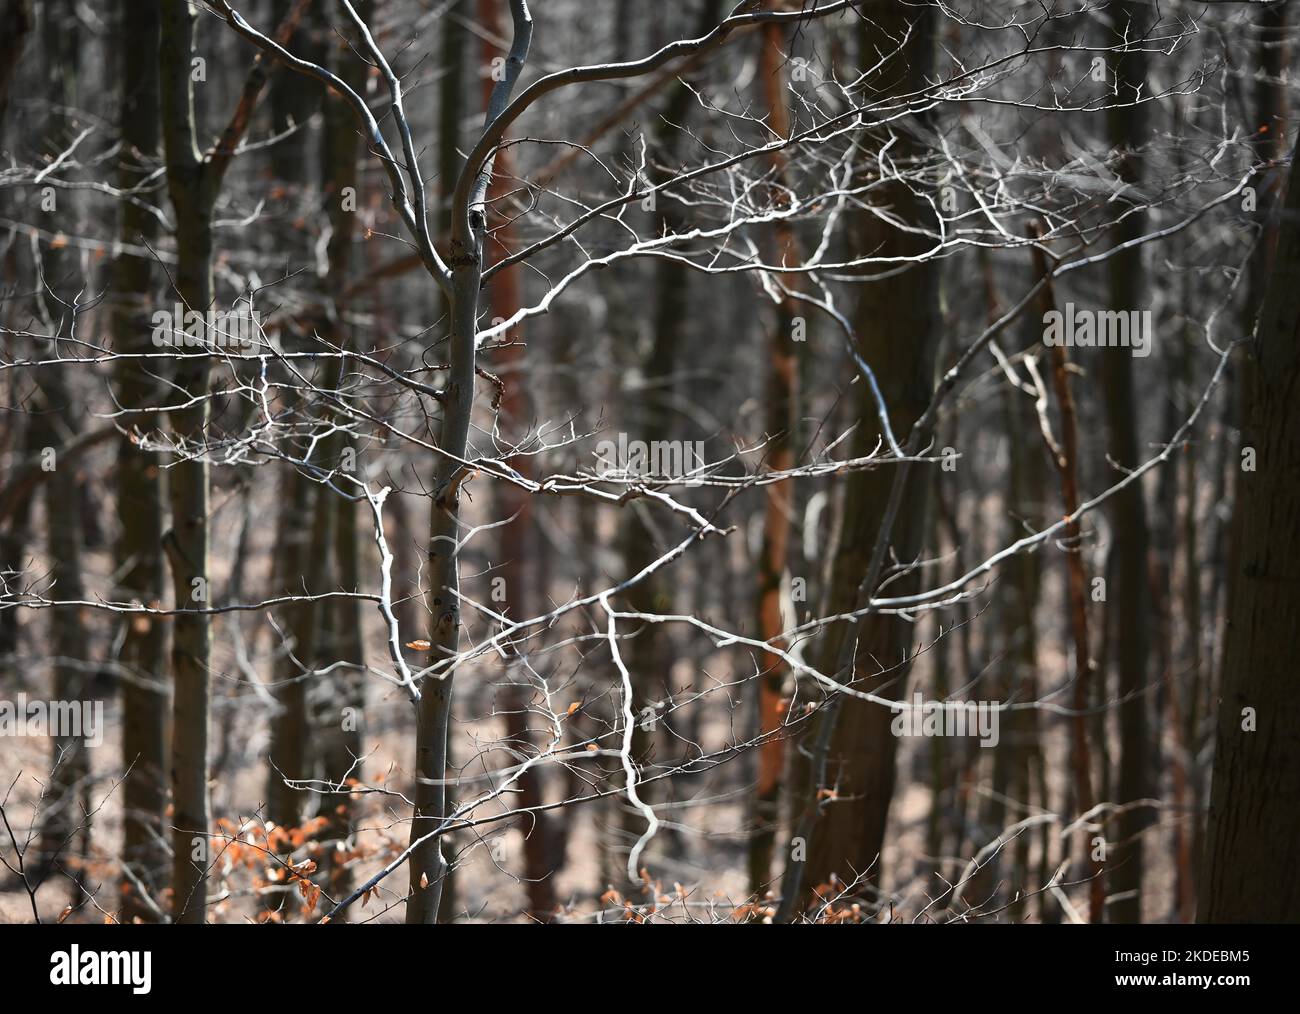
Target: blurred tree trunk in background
17, 19
65, 829
1129, 601
139, 558
17, 22
647, 655
308, 530
288, 721
519, 544
1269, 141
303, 547
1253, 838
343, 722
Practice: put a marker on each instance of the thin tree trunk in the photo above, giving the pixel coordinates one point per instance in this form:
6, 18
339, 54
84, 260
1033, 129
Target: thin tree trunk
782, 417
468, 231
456, 46
1067, 462
428, 867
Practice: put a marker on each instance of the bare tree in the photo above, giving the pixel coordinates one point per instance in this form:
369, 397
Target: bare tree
730, 349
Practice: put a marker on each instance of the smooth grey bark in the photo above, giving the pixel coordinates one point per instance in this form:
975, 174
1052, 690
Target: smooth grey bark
189, 480
456, 45
428, 867
469, 222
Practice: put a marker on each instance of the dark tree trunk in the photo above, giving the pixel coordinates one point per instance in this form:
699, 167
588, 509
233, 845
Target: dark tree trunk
850, 832
145, 691
1129, 599
65, 821
1252, 852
